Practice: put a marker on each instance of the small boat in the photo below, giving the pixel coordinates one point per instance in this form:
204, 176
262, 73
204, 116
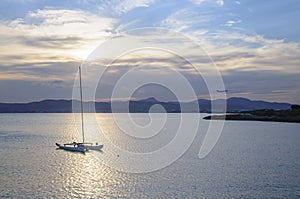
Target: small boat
75, 147
80, 146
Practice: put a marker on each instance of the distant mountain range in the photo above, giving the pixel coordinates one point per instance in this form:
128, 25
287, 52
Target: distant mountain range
234, 104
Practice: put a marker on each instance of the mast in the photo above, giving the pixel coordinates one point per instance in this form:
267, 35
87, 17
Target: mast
81, 103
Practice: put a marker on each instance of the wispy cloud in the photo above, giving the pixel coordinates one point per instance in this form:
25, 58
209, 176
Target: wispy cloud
238, 2
127, 5
232, 23
199, 2
119, 7
252, 52
220, 2
186, 20
51, 22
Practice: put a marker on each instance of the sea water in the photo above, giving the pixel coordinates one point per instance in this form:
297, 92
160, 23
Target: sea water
250, 160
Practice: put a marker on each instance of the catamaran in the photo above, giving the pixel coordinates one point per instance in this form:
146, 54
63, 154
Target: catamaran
74, 146
80, 146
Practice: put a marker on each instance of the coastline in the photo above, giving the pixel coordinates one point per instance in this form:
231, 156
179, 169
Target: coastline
290, 116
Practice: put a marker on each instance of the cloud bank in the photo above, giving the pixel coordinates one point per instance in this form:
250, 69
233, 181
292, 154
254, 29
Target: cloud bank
42, 49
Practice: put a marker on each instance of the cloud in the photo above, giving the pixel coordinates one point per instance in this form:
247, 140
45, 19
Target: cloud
255, 52
20, 1
235, 48
185, 19
39, 70
199, 2
263, 84
51, 22
47, 44
44, 38
54, 83
127, 5
117, 8
40, 53
26, 91
56, 31
220, 2
232, 23
251, 63
53, 42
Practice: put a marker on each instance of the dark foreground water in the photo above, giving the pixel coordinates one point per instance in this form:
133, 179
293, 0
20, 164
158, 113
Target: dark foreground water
250, 160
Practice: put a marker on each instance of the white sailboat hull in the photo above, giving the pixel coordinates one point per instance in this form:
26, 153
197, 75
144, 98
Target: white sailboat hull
81, 149
95, 148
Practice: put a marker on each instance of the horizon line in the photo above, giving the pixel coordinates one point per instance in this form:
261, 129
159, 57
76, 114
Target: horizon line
136, 99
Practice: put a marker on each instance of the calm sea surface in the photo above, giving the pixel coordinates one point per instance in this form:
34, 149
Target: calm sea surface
250, 160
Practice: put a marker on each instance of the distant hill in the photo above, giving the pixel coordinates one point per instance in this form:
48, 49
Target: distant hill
234, 104
45, 106
243, 104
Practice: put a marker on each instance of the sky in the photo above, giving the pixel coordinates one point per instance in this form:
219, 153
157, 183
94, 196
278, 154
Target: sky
254, 45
